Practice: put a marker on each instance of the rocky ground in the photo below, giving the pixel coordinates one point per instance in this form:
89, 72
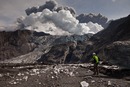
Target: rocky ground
69, 75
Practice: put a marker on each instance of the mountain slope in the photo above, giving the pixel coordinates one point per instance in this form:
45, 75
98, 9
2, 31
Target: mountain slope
25, 46
16, 43
112, 43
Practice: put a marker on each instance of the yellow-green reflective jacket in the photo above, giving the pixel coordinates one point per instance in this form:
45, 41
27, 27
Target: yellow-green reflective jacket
96, 59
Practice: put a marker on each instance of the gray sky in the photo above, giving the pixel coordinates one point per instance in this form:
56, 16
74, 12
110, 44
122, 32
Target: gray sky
10, 10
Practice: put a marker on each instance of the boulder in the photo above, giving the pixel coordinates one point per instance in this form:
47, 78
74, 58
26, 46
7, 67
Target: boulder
118, 53
15, 43
59, 54
56, 55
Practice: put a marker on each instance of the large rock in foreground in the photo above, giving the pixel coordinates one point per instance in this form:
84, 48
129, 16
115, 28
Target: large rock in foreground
119, 53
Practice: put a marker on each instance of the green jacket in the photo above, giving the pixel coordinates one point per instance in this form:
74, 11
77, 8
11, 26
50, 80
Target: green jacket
96, 59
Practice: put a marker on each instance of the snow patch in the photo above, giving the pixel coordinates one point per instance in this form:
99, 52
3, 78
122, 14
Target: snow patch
26, 78
65, 69
111, 67
1, 75
109, 83
84, 84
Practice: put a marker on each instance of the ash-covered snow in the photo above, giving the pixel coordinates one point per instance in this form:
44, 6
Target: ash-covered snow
65, 69
59, 75
84, 84
54, 73
1, 75
111, 67
109, 83
25, 78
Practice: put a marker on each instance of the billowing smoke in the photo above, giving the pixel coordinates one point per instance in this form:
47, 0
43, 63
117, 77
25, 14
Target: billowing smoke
59, 23
12, 27
49, 18
48, 5
72, 11
51, 5
99, 18
31, 10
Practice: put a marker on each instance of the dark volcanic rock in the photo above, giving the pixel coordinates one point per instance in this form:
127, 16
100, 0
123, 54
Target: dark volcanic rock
118, 30
23, 45
119, 53
39, 34
70, 52
16, 43
58, 54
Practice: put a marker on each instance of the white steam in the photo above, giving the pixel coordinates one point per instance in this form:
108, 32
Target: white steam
58, 23
12, 27
54, 20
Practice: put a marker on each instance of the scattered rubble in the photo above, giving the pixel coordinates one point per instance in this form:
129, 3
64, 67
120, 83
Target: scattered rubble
63, 75
109, 83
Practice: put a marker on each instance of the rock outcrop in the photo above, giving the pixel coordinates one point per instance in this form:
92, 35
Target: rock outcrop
14, 44
59, 54
25, 46
69, 52
20, 43
118, 53
112, 44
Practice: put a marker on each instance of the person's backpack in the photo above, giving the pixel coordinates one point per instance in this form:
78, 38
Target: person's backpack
99, 59
94, 61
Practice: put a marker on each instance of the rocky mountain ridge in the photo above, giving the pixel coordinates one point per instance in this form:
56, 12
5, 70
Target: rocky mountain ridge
112, 43
25, 46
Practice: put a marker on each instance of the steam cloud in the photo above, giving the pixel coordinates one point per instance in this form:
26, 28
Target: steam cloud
50, 18
54, 20
51, 5
72, 11
12, 27
59, 23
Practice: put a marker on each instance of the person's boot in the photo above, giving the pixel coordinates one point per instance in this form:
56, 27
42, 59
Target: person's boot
94, 72
97, 72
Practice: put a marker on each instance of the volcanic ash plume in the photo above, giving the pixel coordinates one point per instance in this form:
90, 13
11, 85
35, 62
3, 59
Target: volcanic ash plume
51, 5
58, 23
54, 20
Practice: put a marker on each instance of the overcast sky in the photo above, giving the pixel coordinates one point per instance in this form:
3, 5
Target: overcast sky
10, 10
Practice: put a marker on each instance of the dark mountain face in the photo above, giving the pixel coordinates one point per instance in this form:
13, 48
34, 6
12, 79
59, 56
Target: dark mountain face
102, 20
16, 43
21, 45
112, 44
20, 42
